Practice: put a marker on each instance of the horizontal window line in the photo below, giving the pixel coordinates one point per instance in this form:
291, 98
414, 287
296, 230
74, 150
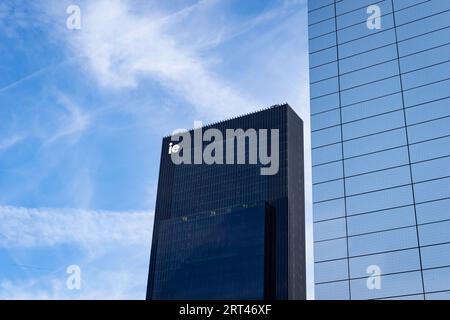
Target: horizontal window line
390, 12
393, 44
383, 189
342, 14
367, 254
386, 274
357, 86
347, 27
426, 85
413, 143
356, 70
381, 231
367, 233
381, 80
381, 210
384, 30
385, 169
364, 136
364, 213
365, 118
368, 276
378, 231
322, 112
384, 252
382, 16
381, 63
380, 132
380, 47
354, 121
327, 5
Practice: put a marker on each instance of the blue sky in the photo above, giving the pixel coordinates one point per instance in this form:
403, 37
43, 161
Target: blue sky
83, 112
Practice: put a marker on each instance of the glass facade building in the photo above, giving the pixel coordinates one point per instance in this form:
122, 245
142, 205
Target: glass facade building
380, 118
225, 231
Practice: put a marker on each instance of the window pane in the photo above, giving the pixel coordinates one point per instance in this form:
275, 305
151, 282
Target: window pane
438, 296
429, 130
433, 211
377, 142
373, 125
332, 291
423, 42
321, 57
328, 190
327, 172
391, 262
370, 91
324, 103
367, 59
326, 119
378, 180
434, 233
380, 200
320, 14
321, 28
377, 161
430, 149
383, 241
360, 15
436, 256
391, 286
331, 271
426, 76
431, 169
372, 107
330, 229
381, 220
329, 210
349, 5
329, 250
432, 190
326, 154
322, 42
429, 111
324, 87
437, 279
360, 29
374, 41
315, 4
425, 58
420, 11
326, 136
422, 26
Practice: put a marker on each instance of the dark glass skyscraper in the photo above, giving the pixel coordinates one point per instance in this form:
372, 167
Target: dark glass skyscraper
226, 231
380, 118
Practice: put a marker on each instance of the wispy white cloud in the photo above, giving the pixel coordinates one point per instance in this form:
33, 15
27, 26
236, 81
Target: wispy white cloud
73, 122
10, 142
28, 228
114, 248
121, 46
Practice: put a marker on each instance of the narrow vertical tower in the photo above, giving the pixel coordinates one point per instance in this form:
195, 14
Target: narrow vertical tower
228, 231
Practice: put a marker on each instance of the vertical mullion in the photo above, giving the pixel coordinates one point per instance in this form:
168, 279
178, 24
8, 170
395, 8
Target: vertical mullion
342, 149
408, 148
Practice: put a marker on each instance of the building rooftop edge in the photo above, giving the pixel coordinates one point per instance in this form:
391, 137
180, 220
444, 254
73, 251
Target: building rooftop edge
235, 117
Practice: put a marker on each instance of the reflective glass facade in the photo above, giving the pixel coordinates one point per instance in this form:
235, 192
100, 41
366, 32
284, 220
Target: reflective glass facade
225, 231
380, 118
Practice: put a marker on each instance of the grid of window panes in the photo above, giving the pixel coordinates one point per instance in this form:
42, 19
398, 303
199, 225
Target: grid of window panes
212, 256
380, 118
186, 190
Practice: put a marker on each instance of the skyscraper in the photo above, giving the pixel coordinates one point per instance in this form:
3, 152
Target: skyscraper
380, 117
231, 231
